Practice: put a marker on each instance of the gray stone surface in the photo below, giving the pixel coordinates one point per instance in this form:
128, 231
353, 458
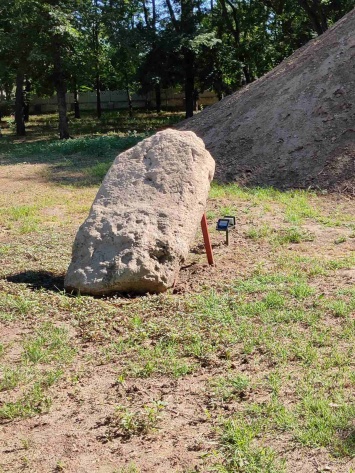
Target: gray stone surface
144, 217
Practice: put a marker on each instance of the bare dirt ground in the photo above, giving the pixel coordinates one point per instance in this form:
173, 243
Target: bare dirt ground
80, 432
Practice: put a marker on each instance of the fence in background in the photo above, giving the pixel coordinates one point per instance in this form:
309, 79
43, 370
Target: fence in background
117, 99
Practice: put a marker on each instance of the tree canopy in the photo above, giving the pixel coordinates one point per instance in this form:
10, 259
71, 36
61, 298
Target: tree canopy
145, 45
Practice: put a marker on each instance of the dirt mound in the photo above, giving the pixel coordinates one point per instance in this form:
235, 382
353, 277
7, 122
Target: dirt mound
294, 127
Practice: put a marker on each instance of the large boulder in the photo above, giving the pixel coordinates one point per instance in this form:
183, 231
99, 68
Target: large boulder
144, 217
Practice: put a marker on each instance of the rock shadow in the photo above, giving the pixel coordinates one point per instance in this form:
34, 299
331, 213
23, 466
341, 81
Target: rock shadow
200, 248
38, 280
48, 281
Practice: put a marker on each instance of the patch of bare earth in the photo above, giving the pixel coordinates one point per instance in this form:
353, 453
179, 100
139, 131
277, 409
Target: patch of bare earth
80, 433
76, 431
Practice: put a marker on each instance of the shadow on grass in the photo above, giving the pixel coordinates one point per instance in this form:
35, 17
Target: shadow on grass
346, 446
200, 249
85, 159
38, 280
78, 162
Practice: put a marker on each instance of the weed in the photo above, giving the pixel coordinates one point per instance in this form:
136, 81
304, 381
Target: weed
227, 388
301, 290
13, 306
275, 382
34, 402
338, 307
60, 466
25, 217
126, 423
98, 171
292, 235
321, 421
340, 240
26, 443
10, 379
211, 215
257, 233
131, 468
241, 452
274, 300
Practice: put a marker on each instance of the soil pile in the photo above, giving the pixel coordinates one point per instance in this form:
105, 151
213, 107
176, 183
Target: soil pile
294, 127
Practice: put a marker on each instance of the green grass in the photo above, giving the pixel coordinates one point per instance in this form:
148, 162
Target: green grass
242, 455
126, 423
34, 402
49, 343
44, 356
258, 233
85, 157
23, 217
227, 388
292, 235
265, 339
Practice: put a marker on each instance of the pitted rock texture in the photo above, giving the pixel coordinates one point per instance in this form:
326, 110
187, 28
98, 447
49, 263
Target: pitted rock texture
144, 217
294, 127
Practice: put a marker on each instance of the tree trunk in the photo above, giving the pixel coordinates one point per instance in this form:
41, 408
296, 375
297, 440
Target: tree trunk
96, 27
19, 105
26, 110
98, 96
196, 99
62, 110
158, 97
189, 59
8, 90
188, 27
248, 76
60, 86
76, 101
129, 100
314, 10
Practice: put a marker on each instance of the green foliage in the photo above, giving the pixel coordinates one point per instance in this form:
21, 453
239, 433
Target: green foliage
130, 45
322, 420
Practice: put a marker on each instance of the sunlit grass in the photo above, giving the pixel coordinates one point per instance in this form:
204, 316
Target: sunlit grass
267, 335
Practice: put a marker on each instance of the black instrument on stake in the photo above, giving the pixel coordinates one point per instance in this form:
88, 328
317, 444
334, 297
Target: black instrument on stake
225, 224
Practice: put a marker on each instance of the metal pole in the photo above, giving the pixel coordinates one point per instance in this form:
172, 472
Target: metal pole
206, 239
227, 237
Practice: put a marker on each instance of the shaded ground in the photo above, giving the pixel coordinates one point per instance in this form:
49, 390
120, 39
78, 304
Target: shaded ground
246, 366
45, 126
294, 127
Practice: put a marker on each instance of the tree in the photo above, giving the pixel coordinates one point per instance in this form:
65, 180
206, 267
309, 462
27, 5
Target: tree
184, 22
220, 45
57, 42
151, 70
122, 25
17, 30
